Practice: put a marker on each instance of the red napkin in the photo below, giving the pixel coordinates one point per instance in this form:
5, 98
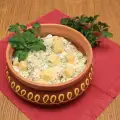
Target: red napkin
105, 86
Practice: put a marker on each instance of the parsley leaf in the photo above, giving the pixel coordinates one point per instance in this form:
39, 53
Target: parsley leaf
36, 25
28, 37
15, 43
22, 55
106, 34
23, 27
17, 53
38, 46
36, 28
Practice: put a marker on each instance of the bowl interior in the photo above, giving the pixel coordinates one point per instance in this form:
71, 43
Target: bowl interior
59, 30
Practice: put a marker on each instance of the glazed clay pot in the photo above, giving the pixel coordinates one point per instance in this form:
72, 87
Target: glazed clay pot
46, 94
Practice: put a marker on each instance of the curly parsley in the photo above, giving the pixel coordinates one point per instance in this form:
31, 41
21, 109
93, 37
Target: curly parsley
89, 27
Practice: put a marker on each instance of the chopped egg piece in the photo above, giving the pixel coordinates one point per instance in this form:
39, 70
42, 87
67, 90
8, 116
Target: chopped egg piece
23, 65
47, 74
53, 58
58, 45
70, 58
64, 53
68, 71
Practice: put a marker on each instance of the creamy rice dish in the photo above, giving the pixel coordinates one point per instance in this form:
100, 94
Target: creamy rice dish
59, 63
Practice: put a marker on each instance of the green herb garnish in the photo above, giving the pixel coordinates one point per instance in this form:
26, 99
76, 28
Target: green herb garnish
25, 40
89, 27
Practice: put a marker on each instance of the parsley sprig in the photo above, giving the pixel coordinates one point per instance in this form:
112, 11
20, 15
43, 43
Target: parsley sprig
25, 40
89, 27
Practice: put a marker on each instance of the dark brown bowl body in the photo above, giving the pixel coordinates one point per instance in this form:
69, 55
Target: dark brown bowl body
46, 94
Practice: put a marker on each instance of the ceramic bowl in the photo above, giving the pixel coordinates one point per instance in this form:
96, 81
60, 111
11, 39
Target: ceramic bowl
45, 94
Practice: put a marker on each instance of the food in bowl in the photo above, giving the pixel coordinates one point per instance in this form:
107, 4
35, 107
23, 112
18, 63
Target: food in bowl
60, 62
39, 93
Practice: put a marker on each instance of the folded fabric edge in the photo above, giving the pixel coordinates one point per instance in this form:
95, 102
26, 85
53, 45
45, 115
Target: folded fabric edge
106, 100
54, 11
51, 12
111, 94
113, 90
